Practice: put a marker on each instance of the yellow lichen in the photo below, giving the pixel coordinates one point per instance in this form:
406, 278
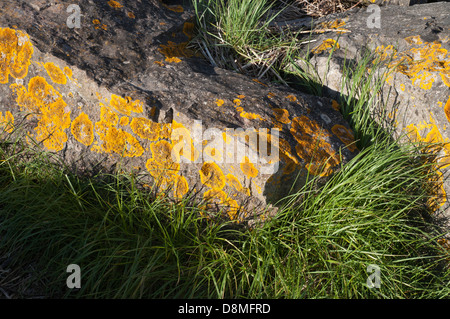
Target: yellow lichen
335, 105
122, 143
291, 98
281, 115
420, 63
173, 51
447, 109
161, 166
181, 187
211, 175
114, 4
174, 8
126, 105
219, 102
6, 122
15, 54
124, 120
326, 45
248, 168
131, 15
312, 146
345, 135
83, 129
183, 145
55, 73
44, 102
145, 128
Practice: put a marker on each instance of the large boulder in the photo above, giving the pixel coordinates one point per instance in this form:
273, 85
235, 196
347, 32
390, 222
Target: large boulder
412, 44
123, 91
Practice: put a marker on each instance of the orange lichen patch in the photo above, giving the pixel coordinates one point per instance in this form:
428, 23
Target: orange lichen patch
15, 54
336, 24
181, 187
237, 102
213, 153
285, 151
109, 116
439, 198
96, 21
161, 166
174, 8
122, 143
68, 72
124, 120
145, 128
259, 82
127, 105
251, 116
219, 197
219, 102
420, 63
131, 15
159, 63
270, 95
281, 115
183, 145
173, 51
83, 129
188, 29
232, 181
325, 46
447, 109
240, 109
312, 146
345, 135
248, 168
413, 133
55, 73
211, 175
335, 105
240, 96
291, 98
323, 163
6, 122
44, 102
114, 4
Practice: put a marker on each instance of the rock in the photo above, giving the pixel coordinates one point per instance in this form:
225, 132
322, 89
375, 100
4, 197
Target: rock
125, 92
413, 44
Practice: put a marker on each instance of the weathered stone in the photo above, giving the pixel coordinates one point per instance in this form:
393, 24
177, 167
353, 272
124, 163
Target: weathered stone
412, 43
124, 92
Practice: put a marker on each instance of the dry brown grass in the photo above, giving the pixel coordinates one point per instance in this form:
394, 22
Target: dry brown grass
319, 8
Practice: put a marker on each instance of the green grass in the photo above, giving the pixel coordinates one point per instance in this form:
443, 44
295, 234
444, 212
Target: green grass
131, 244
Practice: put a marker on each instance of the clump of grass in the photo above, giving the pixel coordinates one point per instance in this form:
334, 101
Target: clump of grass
130, 244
